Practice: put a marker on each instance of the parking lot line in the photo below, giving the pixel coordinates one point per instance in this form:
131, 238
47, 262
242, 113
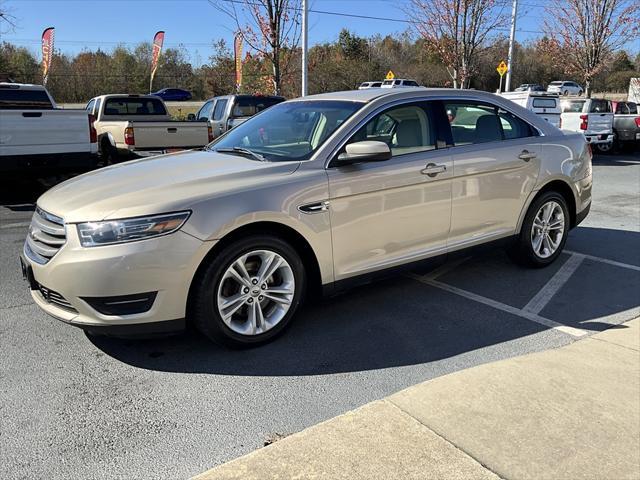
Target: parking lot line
446, 268
575, 332
555, 283
606, 260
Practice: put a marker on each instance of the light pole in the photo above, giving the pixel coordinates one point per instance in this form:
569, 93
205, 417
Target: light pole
512, 37
305, 45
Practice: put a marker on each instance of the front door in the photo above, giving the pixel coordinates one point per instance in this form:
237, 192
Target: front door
388, 213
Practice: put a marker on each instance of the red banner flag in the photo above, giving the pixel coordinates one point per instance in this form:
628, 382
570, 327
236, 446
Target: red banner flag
47, 52
237, 51
157, 48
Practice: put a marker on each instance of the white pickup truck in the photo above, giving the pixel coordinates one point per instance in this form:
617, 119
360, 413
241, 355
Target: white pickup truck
35, 136
132, 126
547, 105
591, 116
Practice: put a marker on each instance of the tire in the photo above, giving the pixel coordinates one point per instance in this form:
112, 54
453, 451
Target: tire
604, 147
108, 154
580, 93
565, 93
524, 250
255, 319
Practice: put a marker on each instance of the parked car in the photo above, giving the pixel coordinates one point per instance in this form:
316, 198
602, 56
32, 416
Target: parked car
35, 136
365, 85
131, 126
311, 195
591, 116
565, 88
229, 111
173, 94
547, 105
399, 83
626, 124
530, 87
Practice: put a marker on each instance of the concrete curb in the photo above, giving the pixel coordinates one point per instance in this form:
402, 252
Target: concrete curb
573, 412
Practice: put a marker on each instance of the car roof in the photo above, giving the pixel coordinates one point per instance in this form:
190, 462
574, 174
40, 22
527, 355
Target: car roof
372, 94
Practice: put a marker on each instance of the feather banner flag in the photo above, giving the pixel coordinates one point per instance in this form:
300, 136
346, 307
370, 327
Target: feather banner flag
158, 39
237, 52
47, 52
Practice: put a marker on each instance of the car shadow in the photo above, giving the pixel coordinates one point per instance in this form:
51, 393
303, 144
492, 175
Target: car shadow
619, 159
402, 322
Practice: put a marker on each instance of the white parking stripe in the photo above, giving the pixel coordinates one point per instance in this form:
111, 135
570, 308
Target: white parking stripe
446, 268
575, 332
606, 260
555, 283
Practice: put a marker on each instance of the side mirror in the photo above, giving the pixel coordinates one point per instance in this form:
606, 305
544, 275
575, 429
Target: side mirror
366, 151
191, 117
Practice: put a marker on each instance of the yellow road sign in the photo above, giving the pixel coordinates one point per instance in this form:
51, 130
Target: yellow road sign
390, 75
502, 68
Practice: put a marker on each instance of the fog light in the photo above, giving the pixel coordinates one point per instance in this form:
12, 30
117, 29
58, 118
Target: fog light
123, 304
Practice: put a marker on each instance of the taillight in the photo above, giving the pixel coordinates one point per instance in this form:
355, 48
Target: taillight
210, 132
585, 122
638, 122
129, 138
93, 135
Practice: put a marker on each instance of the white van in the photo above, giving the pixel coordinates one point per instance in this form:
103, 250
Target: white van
547, 105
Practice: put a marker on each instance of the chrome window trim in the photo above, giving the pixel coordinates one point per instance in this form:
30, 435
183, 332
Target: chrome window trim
420, 99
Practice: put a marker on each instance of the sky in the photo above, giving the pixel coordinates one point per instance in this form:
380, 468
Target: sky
92, 24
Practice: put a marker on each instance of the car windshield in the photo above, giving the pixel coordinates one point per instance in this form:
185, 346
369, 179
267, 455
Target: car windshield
288, 131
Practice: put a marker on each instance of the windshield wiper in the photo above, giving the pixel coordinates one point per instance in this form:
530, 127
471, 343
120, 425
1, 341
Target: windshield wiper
243, 151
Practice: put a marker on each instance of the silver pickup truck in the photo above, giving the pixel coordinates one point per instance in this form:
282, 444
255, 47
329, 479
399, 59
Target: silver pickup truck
130, 126
626, 124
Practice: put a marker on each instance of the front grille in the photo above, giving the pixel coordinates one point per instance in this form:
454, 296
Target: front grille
55, 298
46, 236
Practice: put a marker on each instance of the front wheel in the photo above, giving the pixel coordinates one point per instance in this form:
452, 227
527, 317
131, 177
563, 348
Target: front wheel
544, 231
249, 292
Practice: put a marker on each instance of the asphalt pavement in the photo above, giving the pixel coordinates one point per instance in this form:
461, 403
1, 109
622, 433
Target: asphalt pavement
76, 406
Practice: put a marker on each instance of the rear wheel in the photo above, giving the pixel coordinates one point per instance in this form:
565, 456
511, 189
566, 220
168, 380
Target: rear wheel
565, 92
604, 147
544, 231
249, 292
108, 154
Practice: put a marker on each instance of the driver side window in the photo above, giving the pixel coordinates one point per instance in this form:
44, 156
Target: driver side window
405, 129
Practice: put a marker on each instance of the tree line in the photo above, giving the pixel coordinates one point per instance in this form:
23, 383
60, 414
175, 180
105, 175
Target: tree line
339, 65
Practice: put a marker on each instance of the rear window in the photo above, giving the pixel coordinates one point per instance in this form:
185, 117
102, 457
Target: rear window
22, 99
134, 106
600, 106
387, 82
249, 106
411, 83
544, 103
572, 106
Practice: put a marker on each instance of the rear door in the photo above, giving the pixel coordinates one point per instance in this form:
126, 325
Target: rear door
496, 159
218, 118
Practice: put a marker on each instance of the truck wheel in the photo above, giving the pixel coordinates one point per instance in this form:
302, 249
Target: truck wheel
604, 147
249, 292
544, 231
108, 154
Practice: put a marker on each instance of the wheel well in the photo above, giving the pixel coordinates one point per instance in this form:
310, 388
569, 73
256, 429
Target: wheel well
563, 189
288, 234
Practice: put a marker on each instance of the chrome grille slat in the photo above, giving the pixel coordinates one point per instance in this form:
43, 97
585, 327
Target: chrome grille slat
55, 298
46, 236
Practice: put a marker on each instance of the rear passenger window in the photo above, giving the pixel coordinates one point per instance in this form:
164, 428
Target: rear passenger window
406, 129
473, 123
218, 111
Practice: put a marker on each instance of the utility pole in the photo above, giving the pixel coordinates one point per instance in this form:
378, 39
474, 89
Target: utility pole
512, 38
305, 46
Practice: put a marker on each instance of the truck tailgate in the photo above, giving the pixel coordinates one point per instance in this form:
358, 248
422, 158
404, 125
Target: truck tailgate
34, 132
164, 135
600, 123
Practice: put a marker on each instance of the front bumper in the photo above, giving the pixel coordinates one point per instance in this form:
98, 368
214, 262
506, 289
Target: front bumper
67, 285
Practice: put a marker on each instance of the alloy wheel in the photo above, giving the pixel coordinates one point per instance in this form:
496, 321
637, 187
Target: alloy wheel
255, 292
547, 230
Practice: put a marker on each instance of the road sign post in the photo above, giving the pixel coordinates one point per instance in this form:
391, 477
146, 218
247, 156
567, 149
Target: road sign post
501, 69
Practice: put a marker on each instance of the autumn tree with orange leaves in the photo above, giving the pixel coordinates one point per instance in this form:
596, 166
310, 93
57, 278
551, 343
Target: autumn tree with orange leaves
457, 31
270, 28
582, 35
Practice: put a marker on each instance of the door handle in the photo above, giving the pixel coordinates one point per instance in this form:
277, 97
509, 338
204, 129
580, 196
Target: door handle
172, 130
31, 114
432, 169
526, 155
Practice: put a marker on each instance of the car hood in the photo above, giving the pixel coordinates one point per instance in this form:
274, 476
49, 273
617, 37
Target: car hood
157, 184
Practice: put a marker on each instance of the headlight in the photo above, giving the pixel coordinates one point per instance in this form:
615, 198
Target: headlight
93, 234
